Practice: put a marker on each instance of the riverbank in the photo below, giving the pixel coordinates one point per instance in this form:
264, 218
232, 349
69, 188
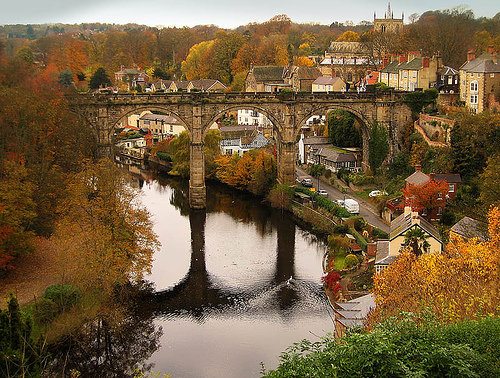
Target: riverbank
31, 275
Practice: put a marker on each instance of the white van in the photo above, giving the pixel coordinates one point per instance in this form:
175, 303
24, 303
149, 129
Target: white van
351, 206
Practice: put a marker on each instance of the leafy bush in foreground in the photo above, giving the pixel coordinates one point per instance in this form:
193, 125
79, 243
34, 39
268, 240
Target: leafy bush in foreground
400, 348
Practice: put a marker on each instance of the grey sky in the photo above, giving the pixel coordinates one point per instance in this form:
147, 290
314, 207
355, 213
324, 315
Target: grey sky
225, 13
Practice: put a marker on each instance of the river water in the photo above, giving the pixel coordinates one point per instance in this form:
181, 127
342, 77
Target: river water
232, 286
236, 284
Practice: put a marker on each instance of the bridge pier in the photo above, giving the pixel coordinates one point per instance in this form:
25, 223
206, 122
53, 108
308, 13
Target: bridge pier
197, 189
286, 163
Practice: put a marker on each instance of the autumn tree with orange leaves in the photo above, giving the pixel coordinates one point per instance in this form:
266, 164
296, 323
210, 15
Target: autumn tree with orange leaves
428, 197
460, 283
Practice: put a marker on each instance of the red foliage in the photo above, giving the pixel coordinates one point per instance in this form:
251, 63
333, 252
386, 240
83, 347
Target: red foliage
428, 196
332, 281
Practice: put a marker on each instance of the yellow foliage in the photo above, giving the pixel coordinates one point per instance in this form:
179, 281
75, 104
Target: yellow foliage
303, 61
349, 36
460, 283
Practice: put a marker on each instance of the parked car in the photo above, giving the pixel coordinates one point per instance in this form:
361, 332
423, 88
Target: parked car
308, 183
351, 206
376, 193
323, 192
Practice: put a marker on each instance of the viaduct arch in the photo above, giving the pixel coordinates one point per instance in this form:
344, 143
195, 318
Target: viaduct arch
287, 112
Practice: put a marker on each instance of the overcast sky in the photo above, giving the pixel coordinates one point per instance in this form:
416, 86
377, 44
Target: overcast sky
224, 13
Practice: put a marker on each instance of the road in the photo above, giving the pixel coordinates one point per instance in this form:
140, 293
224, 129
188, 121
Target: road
368, 212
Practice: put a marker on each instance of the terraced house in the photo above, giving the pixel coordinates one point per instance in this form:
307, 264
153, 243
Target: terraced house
480, 81
411, 71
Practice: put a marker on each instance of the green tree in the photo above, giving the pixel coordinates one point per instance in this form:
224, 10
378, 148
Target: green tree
416, 240
66, 77
159, 73
342, 131
379, 146
489, 182
99, 78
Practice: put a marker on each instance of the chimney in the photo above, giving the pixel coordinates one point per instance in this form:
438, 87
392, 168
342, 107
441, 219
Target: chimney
491, 49
122, 67
471, 55
402, 58
371, 249
418, 168
432, 176
425, 62
385, 62
407, 210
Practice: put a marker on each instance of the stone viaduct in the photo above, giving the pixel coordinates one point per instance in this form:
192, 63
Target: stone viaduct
287, 111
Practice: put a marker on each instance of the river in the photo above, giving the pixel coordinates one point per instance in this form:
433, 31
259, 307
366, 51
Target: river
231, 287
233, 263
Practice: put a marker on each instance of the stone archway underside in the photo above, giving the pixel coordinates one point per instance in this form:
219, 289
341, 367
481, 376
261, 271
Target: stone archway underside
197, 111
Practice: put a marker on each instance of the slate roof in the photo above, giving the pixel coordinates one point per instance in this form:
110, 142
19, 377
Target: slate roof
382, 252
335, 156
354, 312
130, 71
391, 67
470, 228
181, 84
308, 73
205, 84
348, 47
316, 140
485, 63
414, 64
450, 178
268, 73
326, 80
405, 221
417, 178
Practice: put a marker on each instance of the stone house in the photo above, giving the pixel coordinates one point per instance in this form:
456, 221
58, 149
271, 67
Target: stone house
260, 78
161, 126
306, 144
301, 78
334, 159
240, 139
328, 84
387, 251
131, 76
350, 61
448, 80
206, 85
480, 81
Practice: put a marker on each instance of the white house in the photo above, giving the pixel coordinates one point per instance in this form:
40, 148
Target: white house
328, 84
252, 117
389, 250
238, 140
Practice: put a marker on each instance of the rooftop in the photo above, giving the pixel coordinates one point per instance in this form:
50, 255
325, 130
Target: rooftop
484, 63
268, 73
470, 228
326, 80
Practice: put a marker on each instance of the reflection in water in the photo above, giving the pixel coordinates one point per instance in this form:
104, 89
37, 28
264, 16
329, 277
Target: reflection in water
235, 285
115, 345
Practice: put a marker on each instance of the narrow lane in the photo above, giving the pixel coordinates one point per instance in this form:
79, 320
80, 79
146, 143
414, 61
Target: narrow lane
365, 210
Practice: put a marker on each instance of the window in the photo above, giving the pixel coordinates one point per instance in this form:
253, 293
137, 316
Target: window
450, 79
451, 188
405, 73
440, 211
171, 128
473, 86
440, 195
492, 75
473, 99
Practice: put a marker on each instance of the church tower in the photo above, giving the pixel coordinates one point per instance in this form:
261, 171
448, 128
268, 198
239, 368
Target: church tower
388, 24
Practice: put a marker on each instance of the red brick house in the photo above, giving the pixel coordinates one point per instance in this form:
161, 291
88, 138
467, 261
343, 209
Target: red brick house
419, 178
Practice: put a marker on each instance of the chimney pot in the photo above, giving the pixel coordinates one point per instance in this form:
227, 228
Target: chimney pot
402, 58
418, 168
471, 55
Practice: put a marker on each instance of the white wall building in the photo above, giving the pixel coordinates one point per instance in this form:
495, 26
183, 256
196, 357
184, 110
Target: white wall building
252, 117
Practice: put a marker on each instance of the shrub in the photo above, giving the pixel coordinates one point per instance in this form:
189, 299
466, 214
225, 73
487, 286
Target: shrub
379, 234
45, 310
163, 156
341, 229
448, 218
359, 224
64, 296
350, 261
